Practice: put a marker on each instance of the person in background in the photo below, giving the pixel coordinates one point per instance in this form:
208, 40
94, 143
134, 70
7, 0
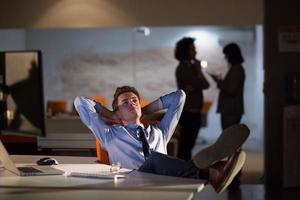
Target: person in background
231, 97
135, 146
190, 79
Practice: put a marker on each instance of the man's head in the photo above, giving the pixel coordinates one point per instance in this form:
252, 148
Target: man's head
126, 104
185, 49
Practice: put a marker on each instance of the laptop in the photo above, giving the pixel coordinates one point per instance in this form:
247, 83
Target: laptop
28, 170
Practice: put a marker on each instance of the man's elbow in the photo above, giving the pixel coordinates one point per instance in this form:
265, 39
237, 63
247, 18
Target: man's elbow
182, 95
78, 100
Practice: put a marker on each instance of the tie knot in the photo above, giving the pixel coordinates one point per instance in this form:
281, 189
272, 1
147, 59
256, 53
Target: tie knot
140, 129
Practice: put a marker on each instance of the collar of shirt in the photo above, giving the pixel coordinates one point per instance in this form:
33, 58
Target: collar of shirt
133, 130
134, 126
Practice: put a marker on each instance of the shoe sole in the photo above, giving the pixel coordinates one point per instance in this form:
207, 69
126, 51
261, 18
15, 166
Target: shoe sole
235, 170
230, 140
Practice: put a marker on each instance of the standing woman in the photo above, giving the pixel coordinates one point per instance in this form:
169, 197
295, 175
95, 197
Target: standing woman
231, 100
190, 78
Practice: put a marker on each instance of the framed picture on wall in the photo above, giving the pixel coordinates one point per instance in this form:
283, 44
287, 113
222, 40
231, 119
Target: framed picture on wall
21, 95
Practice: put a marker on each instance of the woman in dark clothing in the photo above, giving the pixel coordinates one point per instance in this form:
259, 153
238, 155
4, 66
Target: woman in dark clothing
231, 100
231, 97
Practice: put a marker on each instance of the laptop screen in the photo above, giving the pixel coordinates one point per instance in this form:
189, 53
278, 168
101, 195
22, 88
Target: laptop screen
6, 161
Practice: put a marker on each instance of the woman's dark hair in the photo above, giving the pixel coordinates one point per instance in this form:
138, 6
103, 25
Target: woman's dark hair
233, 54
182, 49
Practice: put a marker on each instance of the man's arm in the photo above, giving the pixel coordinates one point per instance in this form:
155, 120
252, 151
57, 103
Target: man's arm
153, 112
174, 103
88, 113
106, 115
198, 80
152, 107
190, 77
232, 82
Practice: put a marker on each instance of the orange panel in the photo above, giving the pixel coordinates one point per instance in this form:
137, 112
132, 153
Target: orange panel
56, 106
102, 155
206, 107
100, 99
144, 102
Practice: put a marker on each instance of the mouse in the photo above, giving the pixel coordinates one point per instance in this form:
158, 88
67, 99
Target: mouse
47, 161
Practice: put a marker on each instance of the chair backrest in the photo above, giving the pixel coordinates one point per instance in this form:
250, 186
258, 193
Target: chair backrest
100, 99
102, 155
144, 102
206, 107
55, 107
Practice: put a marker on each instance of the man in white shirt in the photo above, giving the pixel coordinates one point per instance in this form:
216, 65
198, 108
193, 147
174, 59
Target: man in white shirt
134, 146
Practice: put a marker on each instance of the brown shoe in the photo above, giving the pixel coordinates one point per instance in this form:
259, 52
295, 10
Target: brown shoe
222, 173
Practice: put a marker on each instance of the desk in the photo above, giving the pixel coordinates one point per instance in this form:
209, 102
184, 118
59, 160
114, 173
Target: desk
48, 194
137, 183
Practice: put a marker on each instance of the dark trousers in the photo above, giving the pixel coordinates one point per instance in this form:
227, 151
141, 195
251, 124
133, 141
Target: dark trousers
229, 120
162, 164
190, 124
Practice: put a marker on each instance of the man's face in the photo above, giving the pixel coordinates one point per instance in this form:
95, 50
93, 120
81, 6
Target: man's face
129, 108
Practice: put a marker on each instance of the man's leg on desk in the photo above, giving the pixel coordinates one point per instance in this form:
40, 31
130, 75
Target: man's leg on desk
218, 175
205, 164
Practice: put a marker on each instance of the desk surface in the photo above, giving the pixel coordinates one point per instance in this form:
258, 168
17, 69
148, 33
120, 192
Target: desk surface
50, 194
61, 159
136, 182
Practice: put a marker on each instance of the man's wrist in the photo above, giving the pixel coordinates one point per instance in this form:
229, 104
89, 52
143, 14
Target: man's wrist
97, 107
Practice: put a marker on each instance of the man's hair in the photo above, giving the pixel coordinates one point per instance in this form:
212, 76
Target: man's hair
121, 90
182, 49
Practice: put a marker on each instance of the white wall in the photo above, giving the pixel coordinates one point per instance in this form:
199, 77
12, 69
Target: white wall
260, 82
12, 39
95, 61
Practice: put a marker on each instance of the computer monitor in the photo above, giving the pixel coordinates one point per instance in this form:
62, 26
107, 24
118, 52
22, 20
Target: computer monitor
21, 93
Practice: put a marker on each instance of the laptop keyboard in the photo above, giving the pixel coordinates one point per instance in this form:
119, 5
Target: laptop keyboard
29, 170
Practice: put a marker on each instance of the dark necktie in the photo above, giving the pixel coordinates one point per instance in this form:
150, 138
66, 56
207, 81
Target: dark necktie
146, 149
